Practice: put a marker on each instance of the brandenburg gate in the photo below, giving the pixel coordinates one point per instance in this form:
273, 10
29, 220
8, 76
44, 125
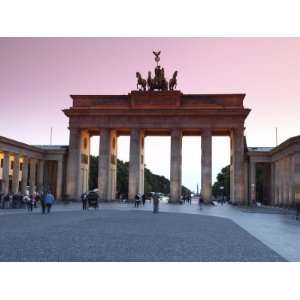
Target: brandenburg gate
155, 108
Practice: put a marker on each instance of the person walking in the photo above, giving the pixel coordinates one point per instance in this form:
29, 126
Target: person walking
297, 211
43, 205
137, 200
28, 202
49, 200
189, 198
84, 200
155, 203
200, 202
38, 199
2, 202
144, 199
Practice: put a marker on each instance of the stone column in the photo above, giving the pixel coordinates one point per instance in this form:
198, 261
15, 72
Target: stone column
297, 177
32, 175
277, 182
246, 182
16, 173
237, 166
107, 167
5, 173
291, 177
278, 174
40, 175
176, 164
252, 186
285, 181
103, 163
206, 164
136, 163
281, 178
273, 184
24, 175
59, 177
281, 185
73, 167
112, 171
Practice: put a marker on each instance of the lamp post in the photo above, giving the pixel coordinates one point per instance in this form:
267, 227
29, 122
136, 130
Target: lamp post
222, 189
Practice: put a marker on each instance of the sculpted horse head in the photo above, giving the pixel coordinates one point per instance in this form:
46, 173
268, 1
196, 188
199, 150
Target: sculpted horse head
138, 75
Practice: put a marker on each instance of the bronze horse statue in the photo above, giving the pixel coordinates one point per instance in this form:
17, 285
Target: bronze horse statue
141, 82
173, 81
158, 82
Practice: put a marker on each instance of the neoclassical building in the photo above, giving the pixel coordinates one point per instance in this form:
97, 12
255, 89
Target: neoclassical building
65, 169
31, 168
280, 169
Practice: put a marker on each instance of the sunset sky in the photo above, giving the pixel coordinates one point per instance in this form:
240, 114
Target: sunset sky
37, 76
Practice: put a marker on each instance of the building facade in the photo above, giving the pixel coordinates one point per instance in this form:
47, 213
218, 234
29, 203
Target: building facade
267, 175
274, 174
26, 168
145, 113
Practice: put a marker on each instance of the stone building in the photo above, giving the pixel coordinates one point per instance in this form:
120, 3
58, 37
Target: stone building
279, 169
32, 168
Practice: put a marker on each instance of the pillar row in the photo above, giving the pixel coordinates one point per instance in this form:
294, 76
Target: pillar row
206, 165
136, 163
176, 165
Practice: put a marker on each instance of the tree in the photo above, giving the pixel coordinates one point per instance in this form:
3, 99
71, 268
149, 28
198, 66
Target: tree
152, 182
223, 179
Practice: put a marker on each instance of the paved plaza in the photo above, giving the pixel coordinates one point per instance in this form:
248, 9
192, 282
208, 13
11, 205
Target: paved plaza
118, 232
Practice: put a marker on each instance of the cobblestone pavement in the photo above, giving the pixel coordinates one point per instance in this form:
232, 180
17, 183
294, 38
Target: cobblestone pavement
111, 234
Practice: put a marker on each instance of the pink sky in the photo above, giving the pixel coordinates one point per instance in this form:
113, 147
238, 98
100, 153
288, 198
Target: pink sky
38, 74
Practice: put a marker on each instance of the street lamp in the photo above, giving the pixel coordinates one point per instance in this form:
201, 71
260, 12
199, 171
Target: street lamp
222, 189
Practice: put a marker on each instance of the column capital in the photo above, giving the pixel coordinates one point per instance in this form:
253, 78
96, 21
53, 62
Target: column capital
176, 132
239, 130
206, 131
25, 157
